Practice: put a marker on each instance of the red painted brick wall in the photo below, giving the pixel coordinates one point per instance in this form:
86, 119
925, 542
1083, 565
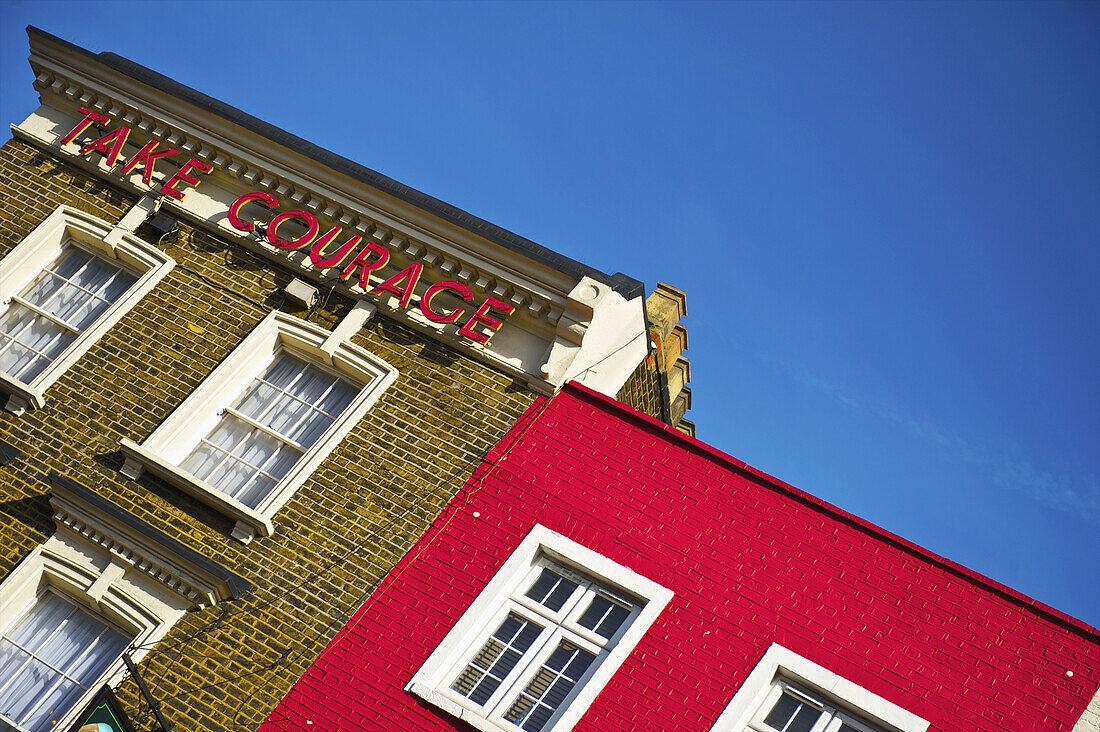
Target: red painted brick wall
751, 560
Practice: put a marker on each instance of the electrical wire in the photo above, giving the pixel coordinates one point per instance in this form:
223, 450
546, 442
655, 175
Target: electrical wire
461, 499
432, 535
343, 614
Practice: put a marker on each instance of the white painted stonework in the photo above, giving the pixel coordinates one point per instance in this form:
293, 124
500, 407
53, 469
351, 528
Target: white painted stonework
1090, 718
564, 327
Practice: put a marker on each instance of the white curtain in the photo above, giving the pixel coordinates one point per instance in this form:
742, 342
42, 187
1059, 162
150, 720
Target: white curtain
76, 289
29, 342
295, 400
55, 653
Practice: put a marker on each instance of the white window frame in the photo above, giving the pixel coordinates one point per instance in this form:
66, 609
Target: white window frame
162, 452
101, 584
781, 666
432, 681
41, 248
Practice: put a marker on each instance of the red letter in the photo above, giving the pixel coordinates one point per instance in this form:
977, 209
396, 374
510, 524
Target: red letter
90, 117
311, 231
235, 207
147, 156
426, 301
317, 253
362, 261
118, 137
169, 187
481, 315
411, 274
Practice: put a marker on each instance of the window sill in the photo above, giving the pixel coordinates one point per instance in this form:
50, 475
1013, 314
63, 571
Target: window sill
21, 397
431, 682
250, 522
433, 697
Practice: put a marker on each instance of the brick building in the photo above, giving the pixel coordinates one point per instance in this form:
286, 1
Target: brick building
240, 376
602, 571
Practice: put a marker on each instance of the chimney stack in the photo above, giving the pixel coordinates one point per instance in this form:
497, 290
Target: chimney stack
665, 307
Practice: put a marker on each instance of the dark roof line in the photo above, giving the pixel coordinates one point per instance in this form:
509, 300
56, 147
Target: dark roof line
583, 392
625, 285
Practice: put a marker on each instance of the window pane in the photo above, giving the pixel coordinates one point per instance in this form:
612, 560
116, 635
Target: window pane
791, 714
44, 712
246, 462
79, 631
255, 490
496, 659
71, 261
338, 399
49, 612
604, 616
549, 687
551, 590
67, 303
70, 649
232, 476
22, 693
79, 288
76, 289
29, 342
11, 660
43, 288
284, 372
109, 645
203, 460
256, 399
288, 416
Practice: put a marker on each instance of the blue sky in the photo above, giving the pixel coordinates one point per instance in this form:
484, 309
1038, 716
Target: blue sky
885, 215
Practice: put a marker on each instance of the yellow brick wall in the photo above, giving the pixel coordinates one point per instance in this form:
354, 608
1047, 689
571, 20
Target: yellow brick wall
223, 668
643, 389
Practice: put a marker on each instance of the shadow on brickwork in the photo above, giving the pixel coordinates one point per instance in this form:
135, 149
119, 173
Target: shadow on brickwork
76, 179
33, 512
437, 353
395, 333
112, 461
517, 386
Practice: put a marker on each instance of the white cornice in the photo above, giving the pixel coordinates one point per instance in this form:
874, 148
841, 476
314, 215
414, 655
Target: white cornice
263, 165
141, 550
532, 344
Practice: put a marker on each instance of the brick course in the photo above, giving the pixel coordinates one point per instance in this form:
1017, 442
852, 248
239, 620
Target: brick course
643, 389
752, 561
224, 667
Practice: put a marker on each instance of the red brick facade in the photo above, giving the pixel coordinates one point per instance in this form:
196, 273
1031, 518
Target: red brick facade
751, 560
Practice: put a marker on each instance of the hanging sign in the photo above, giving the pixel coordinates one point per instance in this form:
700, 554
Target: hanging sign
103, 714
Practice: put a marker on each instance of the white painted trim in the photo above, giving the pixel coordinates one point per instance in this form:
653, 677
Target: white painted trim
41, 247
430, 681
170, 443
1090, 718
780, 663
246, 161
94, 579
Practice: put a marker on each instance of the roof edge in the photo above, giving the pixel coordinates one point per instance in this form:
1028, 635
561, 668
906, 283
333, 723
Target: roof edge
1041, 608
625, 285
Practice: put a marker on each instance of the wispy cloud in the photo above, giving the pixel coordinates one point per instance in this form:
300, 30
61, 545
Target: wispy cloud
1078, 494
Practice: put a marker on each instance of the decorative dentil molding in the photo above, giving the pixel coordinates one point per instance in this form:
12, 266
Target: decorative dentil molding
533, 344
253, 168
136, 544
